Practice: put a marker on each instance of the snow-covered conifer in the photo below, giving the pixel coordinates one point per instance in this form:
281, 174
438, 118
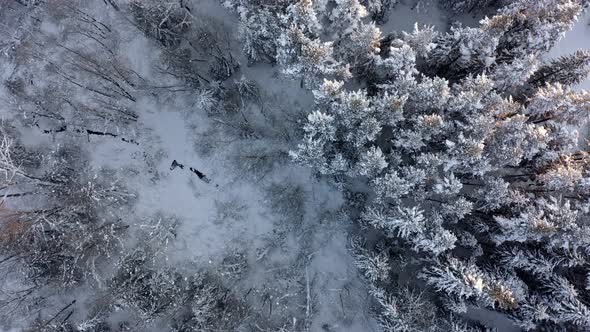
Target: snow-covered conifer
421, 39
346, 16
360, 46
531, 28
567, 70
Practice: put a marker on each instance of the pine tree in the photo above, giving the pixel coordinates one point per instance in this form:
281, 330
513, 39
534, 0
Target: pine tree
379, 8
463, 51
300, 52
347, 16
529, 28
523, 28
567, 70
421, 39
509, 76
303, 14
360, 47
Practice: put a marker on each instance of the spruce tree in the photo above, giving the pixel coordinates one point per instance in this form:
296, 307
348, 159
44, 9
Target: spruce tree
523, 28
567, 70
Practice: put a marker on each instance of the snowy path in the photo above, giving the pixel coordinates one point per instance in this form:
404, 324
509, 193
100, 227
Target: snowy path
235, 216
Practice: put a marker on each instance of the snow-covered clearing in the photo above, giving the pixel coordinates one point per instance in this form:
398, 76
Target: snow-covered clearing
260, 216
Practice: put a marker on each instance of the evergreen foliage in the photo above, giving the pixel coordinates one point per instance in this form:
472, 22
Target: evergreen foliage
487, 188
